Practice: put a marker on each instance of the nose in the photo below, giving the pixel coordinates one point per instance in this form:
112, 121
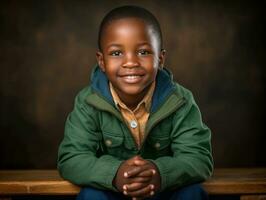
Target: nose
131, 60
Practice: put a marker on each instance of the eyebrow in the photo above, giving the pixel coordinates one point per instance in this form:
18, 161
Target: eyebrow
119, 45
114, 45
144, 43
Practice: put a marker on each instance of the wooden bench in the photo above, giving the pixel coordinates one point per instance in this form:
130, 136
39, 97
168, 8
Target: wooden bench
249, 184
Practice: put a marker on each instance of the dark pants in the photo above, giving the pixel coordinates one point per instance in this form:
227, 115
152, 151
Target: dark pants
191, 192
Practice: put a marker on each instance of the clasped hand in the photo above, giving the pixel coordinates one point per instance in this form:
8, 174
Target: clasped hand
137, 178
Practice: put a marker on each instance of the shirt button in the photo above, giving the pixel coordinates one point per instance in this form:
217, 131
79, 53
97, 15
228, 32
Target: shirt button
108, 143
133, 124
157, 145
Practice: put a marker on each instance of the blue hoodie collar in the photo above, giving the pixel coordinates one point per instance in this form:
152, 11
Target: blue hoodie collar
164, 86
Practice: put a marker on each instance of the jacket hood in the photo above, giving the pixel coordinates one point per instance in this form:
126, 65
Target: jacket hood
163, 88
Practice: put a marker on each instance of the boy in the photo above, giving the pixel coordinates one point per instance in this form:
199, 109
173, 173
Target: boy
134, 133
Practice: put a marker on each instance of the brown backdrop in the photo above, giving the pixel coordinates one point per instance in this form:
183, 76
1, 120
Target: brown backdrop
47, 49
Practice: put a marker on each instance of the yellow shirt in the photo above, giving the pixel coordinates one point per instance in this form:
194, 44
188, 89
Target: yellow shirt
136, 120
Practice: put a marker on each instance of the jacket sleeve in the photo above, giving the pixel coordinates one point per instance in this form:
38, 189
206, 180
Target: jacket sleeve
77, 156
191, 146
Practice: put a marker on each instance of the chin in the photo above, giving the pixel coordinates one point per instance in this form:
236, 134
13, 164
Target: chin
133, 92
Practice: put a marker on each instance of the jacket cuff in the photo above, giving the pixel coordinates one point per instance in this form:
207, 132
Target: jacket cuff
114, 165
163, 173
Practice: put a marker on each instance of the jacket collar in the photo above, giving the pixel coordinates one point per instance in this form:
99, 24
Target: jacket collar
164, 87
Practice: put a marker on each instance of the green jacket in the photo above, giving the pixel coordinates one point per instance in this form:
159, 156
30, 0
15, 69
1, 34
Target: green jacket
97, 140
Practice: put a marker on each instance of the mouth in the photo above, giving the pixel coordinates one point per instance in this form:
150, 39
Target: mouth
132, 78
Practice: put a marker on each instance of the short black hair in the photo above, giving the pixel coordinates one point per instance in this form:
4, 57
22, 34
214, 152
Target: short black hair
130, 11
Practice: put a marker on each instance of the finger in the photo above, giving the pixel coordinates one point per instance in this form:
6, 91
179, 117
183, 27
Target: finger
149, 172
137, 157
143, 192
132, 172
132, 160
140, 162
134, 187
135, 198
140, 179
135, 170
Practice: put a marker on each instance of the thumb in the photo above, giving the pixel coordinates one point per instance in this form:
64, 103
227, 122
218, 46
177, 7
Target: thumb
140, 162
133, 159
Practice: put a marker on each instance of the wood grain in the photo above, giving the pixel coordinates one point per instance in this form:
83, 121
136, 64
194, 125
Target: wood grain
253, 197
237, 181
48, 182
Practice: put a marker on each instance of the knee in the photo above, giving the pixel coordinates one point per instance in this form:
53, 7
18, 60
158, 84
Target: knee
190, 192
88, 193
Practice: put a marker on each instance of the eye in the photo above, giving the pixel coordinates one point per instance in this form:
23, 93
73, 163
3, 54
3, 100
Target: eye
115, 53
143, 52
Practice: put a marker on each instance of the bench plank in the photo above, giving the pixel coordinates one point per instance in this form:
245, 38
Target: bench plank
253, 197
48, 182
237, 181
43, 182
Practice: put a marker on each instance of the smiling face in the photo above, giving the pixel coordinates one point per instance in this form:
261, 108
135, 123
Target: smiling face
130, 57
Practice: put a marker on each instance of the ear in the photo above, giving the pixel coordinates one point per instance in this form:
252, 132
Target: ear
99, 57
162, 58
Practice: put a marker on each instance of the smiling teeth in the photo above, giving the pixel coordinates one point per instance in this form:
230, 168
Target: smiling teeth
132, 77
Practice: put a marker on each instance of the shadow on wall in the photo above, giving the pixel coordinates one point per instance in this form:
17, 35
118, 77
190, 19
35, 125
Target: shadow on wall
47, 49
19, 138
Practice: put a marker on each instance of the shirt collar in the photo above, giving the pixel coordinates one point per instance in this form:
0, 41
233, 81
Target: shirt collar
146, 101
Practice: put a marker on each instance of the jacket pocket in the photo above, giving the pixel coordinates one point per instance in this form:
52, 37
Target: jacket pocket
111, 140
159, 143
157, 147
112, 144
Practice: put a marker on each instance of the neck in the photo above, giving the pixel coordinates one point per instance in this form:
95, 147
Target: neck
132, 101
